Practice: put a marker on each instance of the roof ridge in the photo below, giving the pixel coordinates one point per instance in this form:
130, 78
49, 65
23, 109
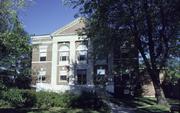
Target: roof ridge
68, 25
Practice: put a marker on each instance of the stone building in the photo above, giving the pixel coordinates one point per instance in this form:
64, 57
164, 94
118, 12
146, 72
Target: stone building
62, 60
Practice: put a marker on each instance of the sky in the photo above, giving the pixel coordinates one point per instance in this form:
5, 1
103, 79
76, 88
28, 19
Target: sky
46, 16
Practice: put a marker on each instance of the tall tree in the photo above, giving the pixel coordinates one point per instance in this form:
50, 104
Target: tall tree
14, 41
152, 25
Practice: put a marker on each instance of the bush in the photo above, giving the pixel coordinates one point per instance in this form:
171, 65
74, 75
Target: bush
51, 99
19, 98
29, 98
4, 103
2, 86
87, 100
23, 82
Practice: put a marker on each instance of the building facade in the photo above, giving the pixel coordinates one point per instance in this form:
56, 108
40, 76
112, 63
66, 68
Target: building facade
62, 60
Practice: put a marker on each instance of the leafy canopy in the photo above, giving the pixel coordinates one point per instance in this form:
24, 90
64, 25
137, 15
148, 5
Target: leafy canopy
14, 41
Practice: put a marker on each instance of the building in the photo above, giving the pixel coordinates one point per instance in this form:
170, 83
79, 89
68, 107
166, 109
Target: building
62, 60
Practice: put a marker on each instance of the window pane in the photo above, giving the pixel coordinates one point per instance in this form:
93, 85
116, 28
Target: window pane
81, 47
83, 52
41, 78
63, 77
81, 55
64, 58
42, 58
43, 54
82, 58
64, 53
64, 48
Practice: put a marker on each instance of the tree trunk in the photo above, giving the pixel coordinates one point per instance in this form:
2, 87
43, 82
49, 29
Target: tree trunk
159, 94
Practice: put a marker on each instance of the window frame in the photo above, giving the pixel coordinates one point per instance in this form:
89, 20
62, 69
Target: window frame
79, 50
41, 74
63, 79
61, 57
43, 53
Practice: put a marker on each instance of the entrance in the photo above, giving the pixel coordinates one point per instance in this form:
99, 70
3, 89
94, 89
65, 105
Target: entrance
81, 76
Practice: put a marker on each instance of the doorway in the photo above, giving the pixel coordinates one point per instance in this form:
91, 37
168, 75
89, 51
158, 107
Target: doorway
81, 76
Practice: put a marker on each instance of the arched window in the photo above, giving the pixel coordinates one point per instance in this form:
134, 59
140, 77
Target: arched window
64, 53
81, 53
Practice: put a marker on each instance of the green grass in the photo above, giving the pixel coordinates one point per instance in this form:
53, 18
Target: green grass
136, 102
144, 104
153, 109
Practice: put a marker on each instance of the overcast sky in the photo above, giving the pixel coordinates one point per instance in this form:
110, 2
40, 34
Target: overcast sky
46, 16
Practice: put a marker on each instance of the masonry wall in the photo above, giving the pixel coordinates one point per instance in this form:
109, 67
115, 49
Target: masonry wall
37, 65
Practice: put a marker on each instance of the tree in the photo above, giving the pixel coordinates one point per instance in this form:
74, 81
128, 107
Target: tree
14, 41
152, 25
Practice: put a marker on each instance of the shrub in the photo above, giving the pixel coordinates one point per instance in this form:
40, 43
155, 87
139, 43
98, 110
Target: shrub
51, 99
4, 103
29, 98
19, 98
87, 100
2, 86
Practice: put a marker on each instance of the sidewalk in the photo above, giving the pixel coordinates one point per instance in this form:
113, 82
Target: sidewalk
113, 107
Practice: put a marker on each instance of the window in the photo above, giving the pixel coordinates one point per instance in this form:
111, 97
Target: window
43, 53
41, 75
63, 53
63, 77
82, 57
63, 73
101, 70
42, 57
81, 53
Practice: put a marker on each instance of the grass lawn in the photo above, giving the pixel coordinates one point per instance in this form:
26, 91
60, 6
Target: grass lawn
145, 104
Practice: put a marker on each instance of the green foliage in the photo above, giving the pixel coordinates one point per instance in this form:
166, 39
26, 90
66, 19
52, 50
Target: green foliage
51, 99
173, 72
2, 86
19, 98
23, 81
4, 103
14, 41
151, 26
44, 100
87, 100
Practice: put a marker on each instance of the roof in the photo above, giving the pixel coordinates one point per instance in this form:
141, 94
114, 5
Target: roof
70, 28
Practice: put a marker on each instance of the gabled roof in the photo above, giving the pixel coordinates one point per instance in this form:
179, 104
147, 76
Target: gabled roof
70, 28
